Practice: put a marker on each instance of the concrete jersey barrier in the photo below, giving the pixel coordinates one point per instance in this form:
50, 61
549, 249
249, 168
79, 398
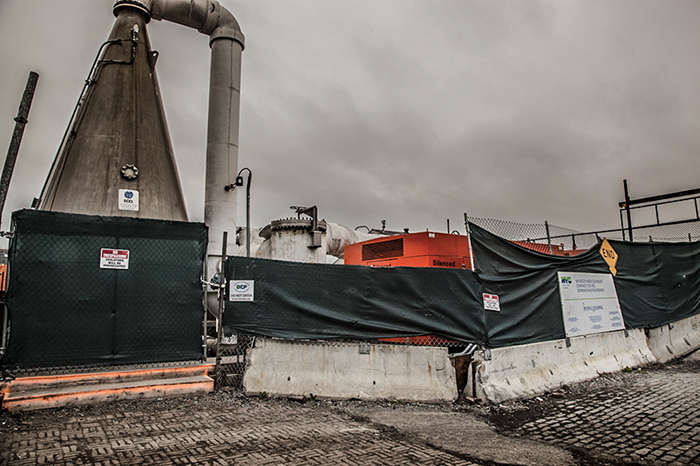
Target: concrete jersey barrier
676, 339
350, 370
526, 370
417, 373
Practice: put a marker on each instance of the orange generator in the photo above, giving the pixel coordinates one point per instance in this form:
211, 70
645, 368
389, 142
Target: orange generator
423, 249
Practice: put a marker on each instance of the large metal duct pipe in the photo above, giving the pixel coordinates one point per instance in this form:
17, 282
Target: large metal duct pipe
226, 43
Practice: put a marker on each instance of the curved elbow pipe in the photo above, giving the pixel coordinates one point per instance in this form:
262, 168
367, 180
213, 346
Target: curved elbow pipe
206, 16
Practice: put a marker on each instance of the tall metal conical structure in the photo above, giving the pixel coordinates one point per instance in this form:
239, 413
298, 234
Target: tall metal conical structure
116, 157
117, 148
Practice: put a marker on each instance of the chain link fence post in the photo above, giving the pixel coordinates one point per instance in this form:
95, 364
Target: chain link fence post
220, 317
469, 242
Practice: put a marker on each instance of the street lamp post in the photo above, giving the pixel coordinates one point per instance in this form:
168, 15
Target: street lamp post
239, 182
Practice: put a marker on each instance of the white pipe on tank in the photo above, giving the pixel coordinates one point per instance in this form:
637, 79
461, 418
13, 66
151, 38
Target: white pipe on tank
339, 236
227, 42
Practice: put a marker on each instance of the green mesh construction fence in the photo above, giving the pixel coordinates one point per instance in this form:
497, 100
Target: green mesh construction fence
75, 299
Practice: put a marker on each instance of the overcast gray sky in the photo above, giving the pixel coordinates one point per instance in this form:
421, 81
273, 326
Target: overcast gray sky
413, 111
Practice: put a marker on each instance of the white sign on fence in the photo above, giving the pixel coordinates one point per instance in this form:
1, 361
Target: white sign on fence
491, 302
114, 259
589, 303
241, 290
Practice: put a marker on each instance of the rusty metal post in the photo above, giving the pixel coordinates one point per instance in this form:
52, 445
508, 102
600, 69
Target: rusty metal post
622, 226
220, 317
549, 238
20, 123
627, 209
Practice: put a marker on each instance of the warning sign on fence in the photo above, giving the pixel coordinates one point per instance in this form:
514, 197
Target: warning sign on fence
114, 259
609, 256
491, 302
589, 303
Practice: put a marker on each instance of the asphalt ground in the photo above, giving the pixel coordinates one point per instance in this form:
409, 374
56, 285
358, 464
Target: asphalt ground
648, 416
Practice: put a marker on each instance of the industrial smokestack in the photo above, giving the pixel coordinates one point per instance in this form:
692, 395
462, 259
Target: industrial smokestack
116, 158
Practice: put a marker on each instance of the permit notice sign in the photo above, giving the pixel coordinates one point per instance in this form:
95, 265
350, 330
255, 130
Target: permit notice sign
241, 290
589, 303
114, 259
491, 302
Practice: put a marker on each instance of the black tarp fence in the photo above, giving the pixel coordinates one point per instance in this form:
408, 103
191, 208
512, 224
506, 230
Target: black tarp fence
315, 301
657, 283
65, 310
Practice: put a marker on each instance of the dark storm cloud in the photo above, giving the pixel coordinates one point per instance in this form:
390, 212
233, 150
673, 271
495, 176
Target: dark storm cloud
407, 110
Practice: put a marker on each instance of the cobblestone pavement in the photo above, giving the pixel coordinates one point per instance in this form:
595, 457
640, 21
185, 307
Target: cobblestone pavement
219, 429
649, 417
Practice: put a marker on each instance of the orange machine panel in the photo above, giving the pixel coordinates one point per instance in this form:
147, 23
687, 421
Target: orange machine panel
423, 249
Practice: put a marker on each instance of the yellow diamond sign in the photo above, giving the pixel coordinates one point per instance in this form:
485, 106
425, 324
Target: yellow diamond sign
609, 256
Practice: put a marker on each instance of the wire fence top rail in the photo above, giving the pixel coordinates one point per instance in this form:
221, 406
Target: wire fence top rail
563, 238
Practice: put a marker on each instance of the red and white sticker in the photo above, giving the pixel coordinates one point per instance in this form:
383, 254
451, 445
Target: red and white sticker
491, 302
114, 259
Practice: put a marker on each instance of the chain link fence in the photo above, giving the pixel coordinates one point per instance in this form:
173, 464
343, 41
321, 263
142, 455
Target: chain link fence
89, 294
557, 240
231, 356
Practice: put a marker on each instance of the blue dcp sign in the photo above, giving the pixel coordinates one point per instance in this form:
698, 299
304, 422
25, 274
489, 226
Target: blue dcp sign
241, 290
242, 287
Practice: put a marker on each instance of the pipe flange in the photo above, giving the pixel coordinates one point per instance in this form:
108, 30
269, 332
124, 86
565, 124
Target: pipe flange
303, 224
296, 224
129, 172
142, 5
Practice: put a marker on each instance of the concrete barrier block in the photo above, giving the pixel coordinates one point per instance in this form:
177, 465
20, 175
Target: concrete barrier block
675, 340
350, 370
615, 351
527, 370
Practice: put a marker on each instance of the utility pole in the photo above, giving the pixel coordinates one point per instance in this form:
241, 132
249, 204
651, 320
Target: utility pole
20, 123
